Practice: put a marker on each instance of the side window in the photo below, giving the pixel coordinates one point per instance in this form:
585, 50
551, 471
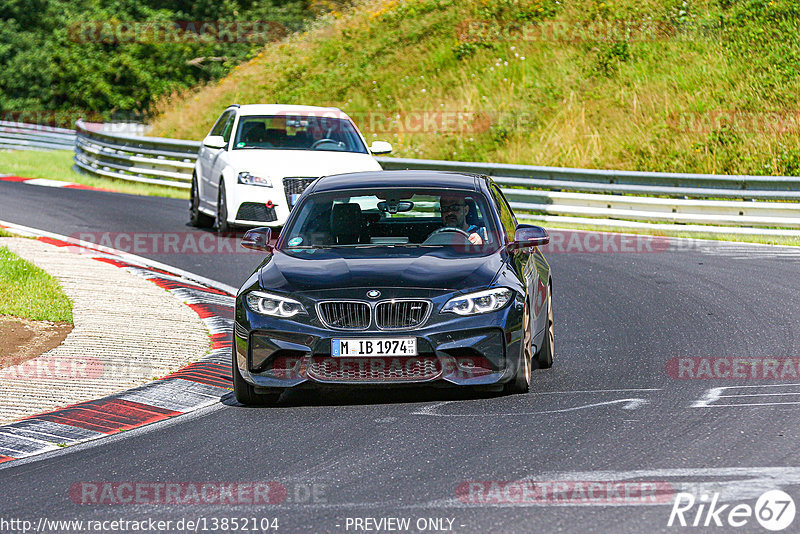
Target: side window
222, 122
226, 131
506, 215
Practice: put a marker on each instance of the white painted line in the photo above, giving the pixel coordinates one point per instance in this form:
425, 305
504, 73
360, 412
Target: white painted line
133, 258
629, 404
758, 395
49, 431
711, 395
738, 404
47, 183
761, 386
9, 434
714, 394
592, 391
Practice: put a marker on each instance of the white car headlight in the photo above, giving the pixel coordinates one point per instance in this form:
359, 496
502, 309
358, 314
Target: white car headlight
480, 302
274, 305
250, 179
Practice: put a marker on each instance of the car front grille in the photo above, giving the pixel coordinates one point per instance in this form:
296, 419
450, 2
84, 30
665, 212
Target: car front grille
345, 315
383, 369
401, 313
295, 185
251, 211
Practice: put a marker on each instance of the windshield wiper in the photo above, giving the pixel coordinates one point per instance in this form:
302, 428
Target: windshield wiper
371, 245
397, 245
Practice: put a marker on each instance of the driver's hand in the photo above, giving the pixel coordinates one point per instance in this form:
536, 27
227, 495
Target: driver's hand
475, 239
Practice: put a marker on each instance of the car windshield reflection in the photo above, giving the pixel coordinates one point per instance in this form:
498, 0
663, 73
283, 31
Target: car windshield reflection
393, 220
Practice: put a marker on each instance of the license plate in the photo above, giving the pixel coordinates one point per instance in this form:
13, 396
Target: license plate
374, 347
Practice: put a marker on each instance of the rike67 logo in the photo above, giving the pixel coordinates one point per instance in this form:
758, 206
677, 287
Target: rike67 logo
774, 510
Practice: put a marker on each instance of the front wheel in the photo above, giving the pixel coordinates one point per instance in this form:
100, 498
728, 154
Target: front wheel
223, 226
544, 358
197, 218
521, 382
245, 393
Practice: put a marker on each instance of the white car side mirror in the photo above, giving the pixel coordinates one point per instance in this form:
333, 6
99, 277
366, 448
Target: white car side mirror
214, 141
380, 147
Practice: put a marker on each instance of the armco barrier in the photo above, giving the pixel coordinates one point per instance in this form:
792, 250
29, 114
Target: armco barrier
636, 196
153, 160
20, 136
619, 182
734, 202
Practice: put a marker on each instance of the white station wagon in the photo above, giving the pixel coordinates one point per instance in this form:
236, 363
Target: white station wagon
259, 158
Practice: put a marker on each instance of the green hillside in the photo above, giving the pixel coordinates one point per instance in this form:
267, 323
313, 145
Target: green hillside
663, 85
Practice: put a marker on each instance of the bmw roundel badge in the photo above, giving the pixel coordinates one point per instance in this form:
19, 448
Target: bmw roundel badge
373, 293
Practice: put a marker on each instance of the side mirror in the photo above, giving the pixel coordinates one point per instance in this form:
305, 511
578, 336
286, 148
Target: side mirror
528, 235
258, 239
215, 141
380, 147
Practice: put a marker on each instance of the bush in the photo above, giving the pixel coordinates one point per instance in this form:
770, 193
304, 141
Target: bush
58, 55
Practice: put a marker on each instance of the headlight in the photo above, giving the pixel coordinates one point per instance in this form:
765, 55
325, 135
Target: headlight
249, 179
480, 302
273, 305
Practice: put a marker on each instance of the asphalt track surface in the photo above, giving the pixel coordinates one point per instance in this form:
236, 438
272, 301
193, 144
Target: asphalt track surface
607, 411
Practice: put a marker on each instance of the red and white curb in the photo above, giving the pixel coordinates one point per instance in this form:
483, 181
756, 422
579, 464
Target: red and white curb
48, 183
195, 386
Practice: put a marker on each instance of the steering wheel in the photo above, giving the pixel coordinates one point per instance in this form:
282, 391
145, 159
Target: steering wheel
431, 239
326, 140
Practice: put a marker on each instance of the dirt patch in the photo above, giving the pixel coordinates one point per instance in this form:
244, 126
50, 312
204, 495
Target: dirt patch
22, 339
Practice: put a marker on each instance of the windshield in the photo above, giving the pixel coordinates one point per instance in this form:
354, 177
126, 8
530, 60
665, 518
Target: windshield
393, 218
295, 132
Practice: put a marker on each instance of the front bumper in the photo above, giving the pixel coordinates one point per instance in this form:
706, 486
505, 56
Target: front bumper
452, 350
247, 205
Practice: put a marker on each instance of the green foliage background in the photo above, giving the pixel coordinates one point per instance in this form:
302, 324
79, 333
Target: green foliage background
43, 66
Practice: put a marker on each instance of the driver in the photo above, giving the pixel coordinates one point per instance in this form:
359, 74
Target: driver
454, 215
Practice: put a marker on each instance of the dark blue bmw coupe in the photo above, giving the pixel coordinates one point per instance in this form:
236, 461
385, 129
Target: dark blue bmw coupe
395, 278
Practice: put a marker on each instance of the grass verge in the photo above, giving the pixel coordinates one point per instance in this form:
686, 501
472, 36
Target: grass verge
29, 292
57, 165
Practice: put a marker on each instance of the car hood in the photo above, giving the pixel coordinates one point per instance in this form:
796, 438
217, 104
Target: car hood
424, 267
281, 163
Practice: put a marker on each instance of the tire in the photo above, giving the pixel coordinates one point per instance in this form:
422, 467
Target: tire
521, 383
223, 226
197, 218
544, 357
245, 393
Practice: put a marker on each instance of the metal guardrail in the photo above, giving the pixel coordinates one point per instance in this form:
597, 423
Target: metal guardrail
584, 194
639, 196
152, 160
619, 182
20, 136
